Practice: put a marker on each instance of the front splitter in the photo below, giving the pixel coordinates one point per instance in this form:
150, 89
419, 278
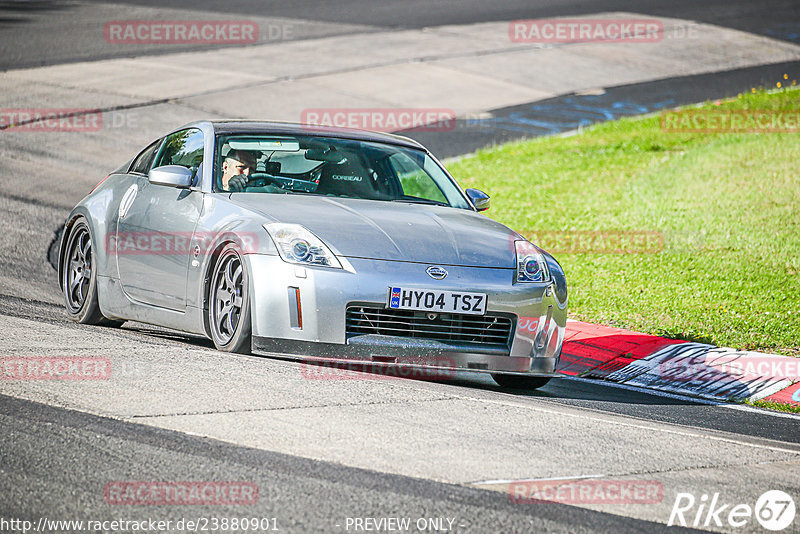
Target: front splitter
403, 357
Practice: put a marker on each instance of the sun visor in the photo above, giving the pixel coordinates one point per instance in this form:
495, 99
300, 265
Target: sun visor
283, 144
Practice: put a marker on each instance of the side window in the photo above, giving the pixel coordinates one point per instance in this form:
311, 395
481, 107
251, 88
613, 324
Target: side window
183, 148
143, 161
414, 180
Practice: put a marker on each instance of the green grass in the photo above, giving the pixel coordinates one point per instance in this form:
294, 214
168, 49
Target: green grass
727, 206
777, 406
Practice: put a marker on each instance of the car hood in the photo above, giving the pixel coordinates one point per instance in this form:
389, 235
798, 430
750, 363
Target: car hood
397, 231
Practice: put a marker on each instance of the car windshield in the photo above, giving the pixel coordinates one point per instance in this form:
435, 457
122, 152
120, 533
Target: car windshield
313, 165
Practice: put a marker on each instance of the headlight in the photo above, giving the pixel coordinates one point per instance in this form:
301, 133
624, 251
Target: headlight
297, 245
531, 266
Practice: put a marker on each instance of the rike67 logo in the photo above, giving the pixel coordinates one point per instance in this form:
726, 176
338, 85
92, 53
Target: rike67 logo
774, 510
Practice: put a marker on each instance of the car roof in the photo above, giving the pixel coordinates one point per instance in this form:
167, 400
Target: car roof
291, 128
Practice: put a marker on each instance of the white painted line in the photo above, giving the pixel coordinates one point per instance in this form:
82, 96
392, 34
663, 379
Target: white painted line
488, 482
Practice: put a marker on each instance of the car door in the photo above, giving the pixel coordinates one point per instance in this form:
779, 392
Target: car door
155, 226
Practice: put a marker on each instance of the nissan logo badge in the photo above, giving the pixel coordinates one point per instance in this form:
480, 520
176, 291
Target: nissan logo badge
436, 273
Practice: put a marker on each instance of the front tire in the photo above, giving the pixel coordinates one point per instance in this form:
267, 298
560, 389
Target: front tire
520, 382
79, 280
229, 302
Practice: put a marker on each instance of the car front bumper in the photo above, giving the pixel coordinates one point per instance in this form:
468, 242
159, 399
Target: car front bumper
316, 328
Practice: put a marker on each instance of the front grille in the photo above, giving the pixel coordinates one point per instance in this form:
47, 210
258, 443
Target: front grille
456, 327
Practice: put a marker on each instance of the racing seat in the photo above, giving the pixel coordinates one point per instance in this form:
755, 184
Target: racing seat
348, 180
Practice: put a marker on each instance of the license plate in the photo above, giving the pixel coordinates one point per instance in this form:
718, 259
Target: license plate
434, 300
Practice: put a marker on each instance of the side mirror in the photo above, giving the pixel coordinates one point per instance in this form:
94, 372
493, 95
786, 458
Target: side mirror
479, 199
171, 176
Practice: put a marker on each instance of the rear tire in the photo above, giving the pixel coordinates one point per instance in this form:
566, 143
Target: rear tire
229, 302
520, 382
79, 280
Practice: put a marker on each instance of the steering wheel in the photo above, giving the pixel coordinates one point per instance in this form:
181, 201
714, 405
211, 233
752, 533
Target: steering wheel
260, 179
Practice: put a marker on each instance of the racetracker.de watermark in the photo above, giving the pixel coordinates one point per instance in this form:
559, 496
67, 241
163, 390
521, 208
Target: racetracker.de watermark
176, 243
50, 120
435, 369
586, 491
382, 119
597, 241
734, 365
181, 32
180, 493
575, 30
731, 121
54, 368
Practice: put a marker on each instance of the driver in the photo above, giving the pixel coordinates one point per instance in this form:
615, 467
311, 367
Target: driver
236, 169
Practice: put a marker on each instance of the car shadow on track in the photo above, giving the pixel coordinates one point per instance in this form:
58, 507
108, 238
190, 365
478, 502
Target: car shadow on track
561, 389
172, 335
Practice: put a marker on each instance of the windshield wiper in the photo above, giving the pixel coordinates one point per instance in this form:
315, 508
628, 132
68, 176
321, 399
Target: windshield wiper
417, 200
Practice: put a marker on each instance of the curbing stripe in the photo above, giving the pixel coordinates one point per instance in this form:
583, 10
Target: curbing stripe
595, 350
790, 395
676, 366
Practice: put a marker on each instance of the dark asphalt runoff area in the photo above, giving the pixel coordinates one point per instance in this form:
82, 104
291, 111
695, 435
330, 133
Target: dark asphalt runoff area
567, 113
31, 30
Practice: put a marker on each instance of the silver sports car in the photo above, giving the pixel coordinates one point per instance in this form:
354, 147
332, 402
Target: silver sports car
314, 243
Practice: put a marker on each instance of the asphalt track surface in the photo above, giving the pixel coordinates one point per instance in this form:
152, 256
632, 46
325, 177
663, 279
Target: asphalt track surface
55, 461
302, 495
